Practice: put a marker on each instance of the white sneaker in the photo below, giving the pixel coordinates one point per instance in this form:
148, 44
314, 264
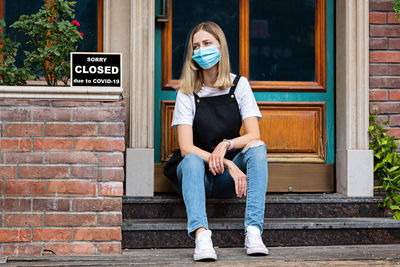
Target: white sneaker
204, 247
253, 242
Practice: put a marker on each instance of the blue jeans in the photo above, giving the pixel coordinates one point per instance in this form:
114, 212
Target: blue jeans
195, 183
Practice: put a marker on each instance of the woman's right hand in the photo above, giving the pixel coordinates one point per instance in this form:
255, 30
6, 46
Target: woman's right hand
239, 178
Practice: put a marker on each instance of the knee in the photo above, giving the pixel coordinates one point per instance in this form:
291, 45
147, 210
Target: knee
192, 161
257, 149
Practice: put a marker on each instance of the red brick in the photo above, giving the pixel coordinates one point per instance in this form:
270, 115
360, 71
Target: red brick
381, 118
51, 114
15, 235
97, 234
1, 190
384, 82
394, 132
75, 104
15, 204
22, 249
394, 69
114, 204
395, 120
377, 43
99, 144
395, 95
394, 44
111, 159
111, 129
110, 174
14, 102
7, 172
384, 30
14, 114
52, 144
50, 234
109, 219
101, 114
25, 188
378, 94
21, 158
386, 108
71, 187
381, 5
69, 219
51, 204
16, 145
113, 189
86, 172
377, 17
393, 18
23, 129
55, 172
58, 129
22, 220
384, 56
109, 248
71, 248
70, 157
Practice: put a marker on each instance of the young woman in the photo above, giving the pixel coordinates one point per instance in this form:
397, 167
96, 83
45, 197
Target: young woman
214, 160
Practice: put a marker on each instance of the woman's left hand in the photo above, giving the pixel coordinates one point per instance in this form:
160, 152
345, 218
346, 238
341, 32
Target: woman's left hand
216, 159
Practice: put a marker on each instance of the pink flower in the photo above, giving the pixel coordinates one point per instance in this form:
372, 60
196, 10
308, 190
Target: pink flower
76, 23
81, 34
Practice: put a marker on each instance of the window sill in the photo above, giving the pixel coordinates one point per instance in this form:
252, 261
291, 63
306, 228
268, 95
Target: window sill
61, 92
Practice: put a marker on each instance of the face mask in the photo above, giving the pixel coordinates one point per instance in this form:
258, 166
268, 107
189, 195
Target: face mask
207, 57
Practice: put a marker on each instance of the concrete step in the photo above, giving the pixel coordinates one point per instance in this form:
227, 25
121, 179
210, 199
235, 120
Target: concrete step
228, 232
276, 206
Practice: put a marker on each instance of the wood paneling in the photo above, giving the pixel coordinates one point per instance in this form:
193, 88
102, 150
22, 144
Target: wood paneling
319, 85
282, 177
292, 131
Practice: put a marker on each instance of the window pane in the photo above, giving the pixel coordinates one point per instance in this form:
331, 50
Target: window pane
85, 14
282, 40
187, 14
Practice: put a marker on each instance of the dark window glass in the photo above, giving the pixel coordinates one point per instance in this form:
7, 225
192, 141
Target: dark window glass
85, 14
282, 40
187, 14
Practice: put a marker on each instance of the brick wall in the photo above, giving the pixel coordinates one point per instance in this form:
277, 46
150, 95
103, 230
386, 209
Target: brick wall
384, 68
61, 177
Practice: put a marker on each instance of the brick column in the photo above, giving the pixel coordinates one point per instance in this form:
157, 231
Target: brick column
384, 68
61, 177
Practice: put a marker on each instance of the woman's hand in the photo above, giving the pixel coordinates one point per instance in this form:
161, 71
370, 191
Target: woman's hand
239, 178
216, 159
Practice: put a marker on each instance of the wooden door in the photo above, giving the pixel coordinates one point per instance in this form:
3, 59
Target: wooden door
285, 49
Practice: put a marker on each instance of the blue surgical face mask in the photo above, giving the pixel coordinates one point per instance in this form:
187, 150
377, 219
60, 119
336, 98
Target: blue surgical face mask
207, 57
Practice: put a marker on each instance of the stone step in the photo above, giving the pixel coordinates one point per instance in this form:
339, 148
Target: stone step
276, 206
228, 232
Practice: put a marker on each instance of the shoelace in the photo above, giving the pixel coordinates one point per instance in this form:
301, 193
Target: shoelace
204, 245
255, 240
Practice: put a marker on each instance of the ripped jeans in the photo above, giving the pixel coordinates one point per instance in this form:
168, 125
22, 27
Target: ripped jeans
195, 183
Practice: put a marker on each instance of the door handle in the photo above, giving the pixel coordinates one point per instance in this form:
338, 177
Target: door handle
164, 16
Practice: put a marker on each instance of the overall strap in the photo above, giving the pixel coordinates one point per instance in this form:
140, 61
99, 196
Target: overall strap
235, 82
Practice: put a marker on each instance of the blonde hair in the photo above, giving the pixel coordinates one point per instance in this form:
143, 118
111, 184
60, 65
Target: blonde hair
191, 78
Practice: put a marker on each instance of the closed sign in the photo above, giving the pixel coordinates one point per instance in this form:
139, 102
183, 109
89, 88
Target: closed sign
96, 69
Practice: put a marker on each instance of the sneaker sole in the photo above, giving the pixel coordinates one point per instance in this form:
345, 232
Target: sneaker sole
257, 252
205, 257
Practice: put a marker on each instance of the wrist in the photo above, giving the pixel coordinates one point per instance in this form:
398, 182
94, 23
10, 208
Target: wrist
229, 143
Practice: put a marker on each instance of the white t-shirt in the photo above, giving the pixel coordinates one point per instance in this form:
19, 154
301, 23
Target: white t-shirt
185, 106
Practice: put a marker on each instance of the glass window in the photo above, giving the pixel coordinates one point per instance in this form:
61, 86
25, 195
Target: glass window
187, 14
282, 42
83, 14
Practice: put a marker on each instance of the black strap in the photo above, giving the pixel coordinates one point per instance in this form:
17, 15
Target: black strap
235, 82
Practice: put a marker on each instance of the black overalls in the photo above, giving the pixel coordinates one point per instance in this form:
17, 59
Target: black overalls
216, 118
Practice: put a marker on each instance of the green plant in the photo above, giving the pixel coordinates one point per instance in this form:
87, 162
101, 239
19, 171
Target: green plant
9, 73
387, 164
396, 8
53, 36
